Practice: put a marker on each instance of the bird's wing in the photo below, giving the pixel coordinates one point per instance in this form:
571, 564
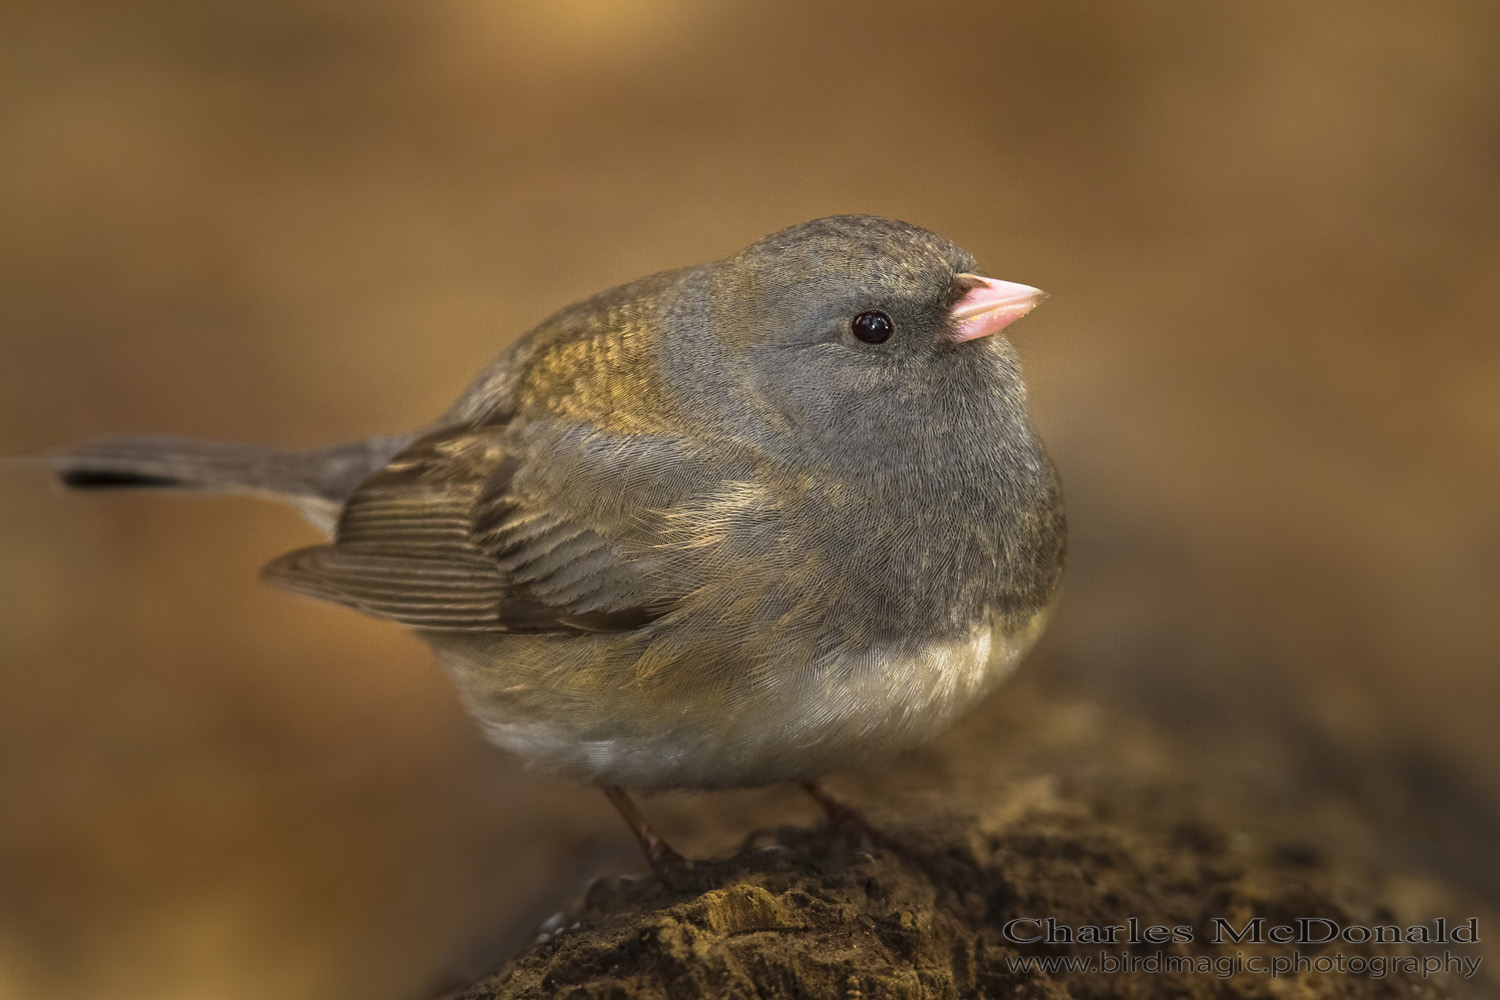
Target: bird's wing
454, 534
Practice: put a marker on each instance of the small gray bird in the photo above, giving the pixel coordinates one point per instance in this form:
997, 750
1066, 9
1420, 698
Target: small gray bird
747, 522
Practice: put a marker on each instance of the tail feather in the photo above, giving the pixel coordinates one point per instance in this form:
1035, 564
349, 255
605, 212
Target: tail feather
99, 479
317, 481
150, 460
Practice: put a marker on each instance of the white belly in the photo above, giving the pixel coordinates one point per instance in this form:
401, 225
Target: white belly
832, 715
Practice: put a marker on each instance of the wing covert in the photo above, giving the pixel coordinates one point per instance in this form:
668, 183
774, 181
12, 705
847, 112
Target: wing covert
440, 539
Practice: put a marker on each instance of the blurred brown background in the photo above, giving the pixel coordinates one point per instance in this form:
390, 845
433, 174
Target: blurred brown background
1269, 373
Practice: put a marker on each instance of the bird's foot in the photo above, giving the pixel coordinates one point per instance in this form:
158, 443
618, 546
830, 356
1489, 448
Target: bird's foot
669, 866
850, 821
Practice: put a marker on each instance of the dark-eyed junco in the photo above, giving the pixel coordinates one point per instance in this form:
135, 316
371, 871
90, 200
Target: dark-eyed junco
746, 522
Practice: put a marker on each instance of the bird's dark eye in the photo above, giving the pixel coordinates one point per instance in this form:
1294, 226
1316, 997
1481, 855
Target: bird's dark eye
873, 327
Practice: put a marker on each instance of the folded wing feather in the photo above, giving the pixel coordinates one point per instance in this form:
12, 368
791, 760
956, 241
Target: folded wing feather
439, 540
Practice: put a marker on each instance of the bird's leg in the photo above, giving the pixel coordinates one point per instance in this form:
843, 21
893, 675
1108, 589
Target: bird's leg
846, 816
841, 812
659, 854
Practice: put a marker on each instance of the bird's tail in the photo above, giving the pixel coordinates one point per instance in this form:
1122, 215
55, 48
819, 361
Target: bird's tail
317, 481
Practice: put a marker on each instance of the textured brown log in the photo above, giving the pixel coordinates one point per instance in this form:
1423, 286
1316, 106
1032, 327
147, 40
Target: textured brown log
1101, 826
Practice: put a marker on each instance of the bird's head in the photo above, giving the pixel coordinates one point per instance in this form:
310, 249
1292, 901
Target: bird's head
859, 335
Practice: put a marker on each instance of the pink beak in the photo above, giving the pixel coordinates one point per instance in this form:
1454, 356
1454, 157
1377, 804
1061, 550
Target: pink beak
990, 306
